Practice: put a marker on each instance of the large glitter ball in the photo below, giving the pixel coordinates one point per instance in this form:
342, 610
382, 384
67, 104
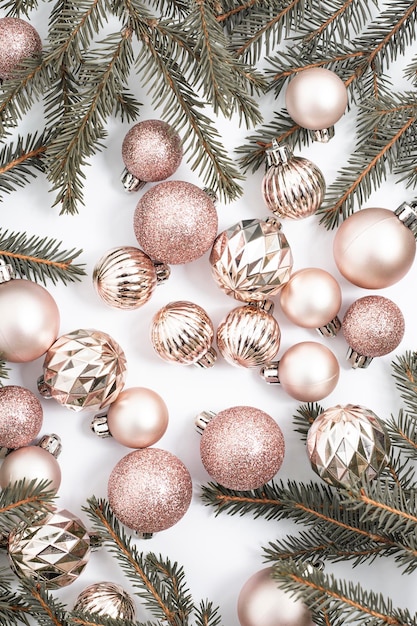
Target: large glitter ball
347, 443
18, 41
84, 369
125, 278
242, 448
251, 260
53, 551
149, 490
106, 599
152, 150
175, 222
21, 416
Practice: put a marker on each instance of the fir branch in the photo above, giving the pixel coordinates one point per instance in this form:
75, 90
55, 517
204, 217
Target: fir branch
410, 71
348, 601
160, 583
20, 162
39, 258
4, 371
207, 615
13, 609
23, 501
17, 8
305, 416
403, 433
405, 376
48, 610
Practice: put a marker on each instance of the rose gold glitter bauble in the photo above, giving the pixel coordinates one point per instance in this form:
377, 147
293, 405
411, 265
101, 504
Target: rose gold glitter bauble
30, 463
106, 599
242, 447
18, 41
347, 443
372, 326
308, 371
292, 187
182, 332
137, 418
149, 490
125, 277
29, 320
252, 259
152, 151
54, 550
21, 416
374, 249
262, 602
311, 299
85, 368
316, 98
175, 222
248, 336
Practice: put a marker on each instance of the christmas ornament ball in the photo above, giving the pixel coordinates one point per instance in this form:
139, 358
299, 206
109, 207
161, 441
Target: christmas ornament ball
261, 602
175, 222
54, 550
138, 417
316, 98
85, 368
242, 447
30, 463
149, 490
152, 150
106, 599
29, 320
347, 443
373, 249
21, 416
18, 41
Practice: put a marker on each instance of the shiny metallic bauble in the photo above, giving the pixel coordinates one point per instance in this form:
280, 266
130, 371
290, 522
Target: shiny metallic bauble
248, 336
241, 447
252, 259
53, 551
83, 369
373, 248
29, 320
262, 602
18, 41
347, 443
149, 490
292, 187
21, 416
106, 599
125, 277
182, 332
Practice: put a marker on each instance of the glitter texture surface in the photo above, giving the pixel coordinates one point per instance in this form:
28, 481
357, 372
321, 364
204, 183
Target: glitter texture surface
21, 416
152, 150
373, 326
18, 41
149, 490
242, 448
175, 222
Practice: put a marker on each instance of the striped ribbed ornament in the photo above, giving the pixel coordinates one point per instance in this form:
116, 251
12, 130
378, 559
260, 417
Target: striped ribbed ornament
292, 186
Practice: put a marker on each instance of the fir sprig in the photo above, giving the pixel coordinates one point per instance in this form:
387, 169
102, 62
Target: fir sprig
23, 501
13, 608
21, 161
17, 8
40, 258
4, 371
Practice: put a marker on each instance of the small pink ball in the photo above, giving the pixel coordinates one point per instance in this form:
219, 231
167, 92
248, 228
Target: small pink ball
18, 41
21, 416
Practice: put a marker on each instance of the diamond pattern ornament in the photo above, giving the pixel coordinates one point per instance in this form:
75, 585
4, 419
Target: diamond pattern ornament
251, 260
83, 369
347, 443
53, 551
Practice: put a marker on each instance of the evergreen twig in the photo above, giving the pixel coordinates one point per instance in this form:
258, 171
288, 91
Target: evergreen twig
20, 162
13, 609
23, 501
4, 371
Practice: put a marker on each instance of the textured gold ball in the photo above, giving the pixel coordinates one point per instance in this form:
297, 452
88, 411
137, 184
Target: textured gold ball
106, 599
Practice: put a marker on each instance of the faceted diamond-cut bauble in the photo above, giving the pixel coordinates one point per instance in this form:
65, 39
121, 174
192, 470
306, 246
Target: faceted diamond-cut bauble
251, 260
83, 369
53, 551
347, 443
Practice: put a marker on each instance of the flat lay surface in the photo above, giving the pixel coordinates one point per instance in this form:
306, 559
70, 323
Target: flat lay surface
219, 553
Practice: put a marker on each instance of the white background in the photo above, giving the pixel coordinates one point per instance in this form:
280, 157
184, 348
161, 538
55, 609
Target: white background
218, 553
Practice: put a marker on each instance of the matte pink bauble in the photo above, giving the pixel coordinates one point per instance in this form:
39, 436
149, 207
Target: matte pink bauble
175, 222
149, 490
21, 416
18, 41
316, 98
373, 249
262, 602
241, 448
30, 463
29, 320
